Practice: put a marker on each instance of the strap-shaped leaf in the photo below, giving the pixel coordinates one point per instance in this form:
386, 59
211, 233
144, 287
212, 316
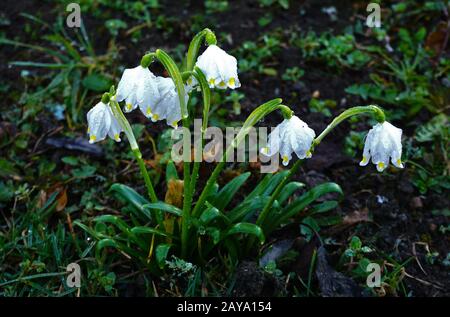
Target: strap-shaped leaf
247, 209
274, 181
209, 215
104, 243
307, 198
246, 228
324, 207
260, 187
90, 231
164, 207
226, 194
123, 226
148, 230
129, 196
288, 190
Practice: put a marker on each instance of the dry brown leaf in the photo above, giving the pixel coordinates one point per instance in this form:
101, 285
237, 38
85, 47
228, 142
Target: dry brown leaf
61, 200
174, 194
435, 40
356, 216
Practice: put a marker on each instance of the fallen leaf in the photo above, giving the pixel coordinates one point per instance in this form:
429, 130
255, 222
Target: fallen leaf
61, 200
356, 217
435, 40
174, 194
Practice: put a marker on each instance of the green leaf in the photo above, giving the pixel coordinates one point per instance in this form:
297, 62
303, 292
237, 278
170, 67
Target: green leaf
307, 198
104, 243
288, 190
171, 171
437, 126
60, 40
260, 187
284, 4
273, 183
355, 243
70, 160
246, 209
307, 231
84, 171
214, 233
209, 215
96, 82
149, 230
7, 168
162, 250
129, 196
226, 194
246, 228
114, 220
324, 207
164, 207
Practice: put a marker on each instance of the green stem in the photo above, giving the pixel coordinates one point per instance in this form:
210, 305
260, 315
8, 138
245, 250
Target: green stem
175, 74
262, 216
150, 191
177, 78
187, 200
252, 119
118, 114
375, 110
206, 93
195, 44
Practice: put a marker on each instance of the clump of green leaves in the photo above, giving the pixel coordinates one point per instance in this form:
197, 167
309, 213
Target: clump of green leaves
335, 51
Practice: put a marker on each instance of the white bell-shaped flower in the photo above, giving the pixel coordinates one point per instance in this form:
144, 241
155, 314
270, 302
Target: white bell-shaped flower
168, 106
383, 141
292, 135
101, 122
220, 68
138, 87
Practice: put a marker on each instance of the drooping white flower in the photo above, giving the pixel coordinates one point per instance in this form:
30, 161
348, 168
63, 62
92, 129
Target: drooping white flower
219, 68
101, 122
168, 106
138, 87
292, 135
383, 141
